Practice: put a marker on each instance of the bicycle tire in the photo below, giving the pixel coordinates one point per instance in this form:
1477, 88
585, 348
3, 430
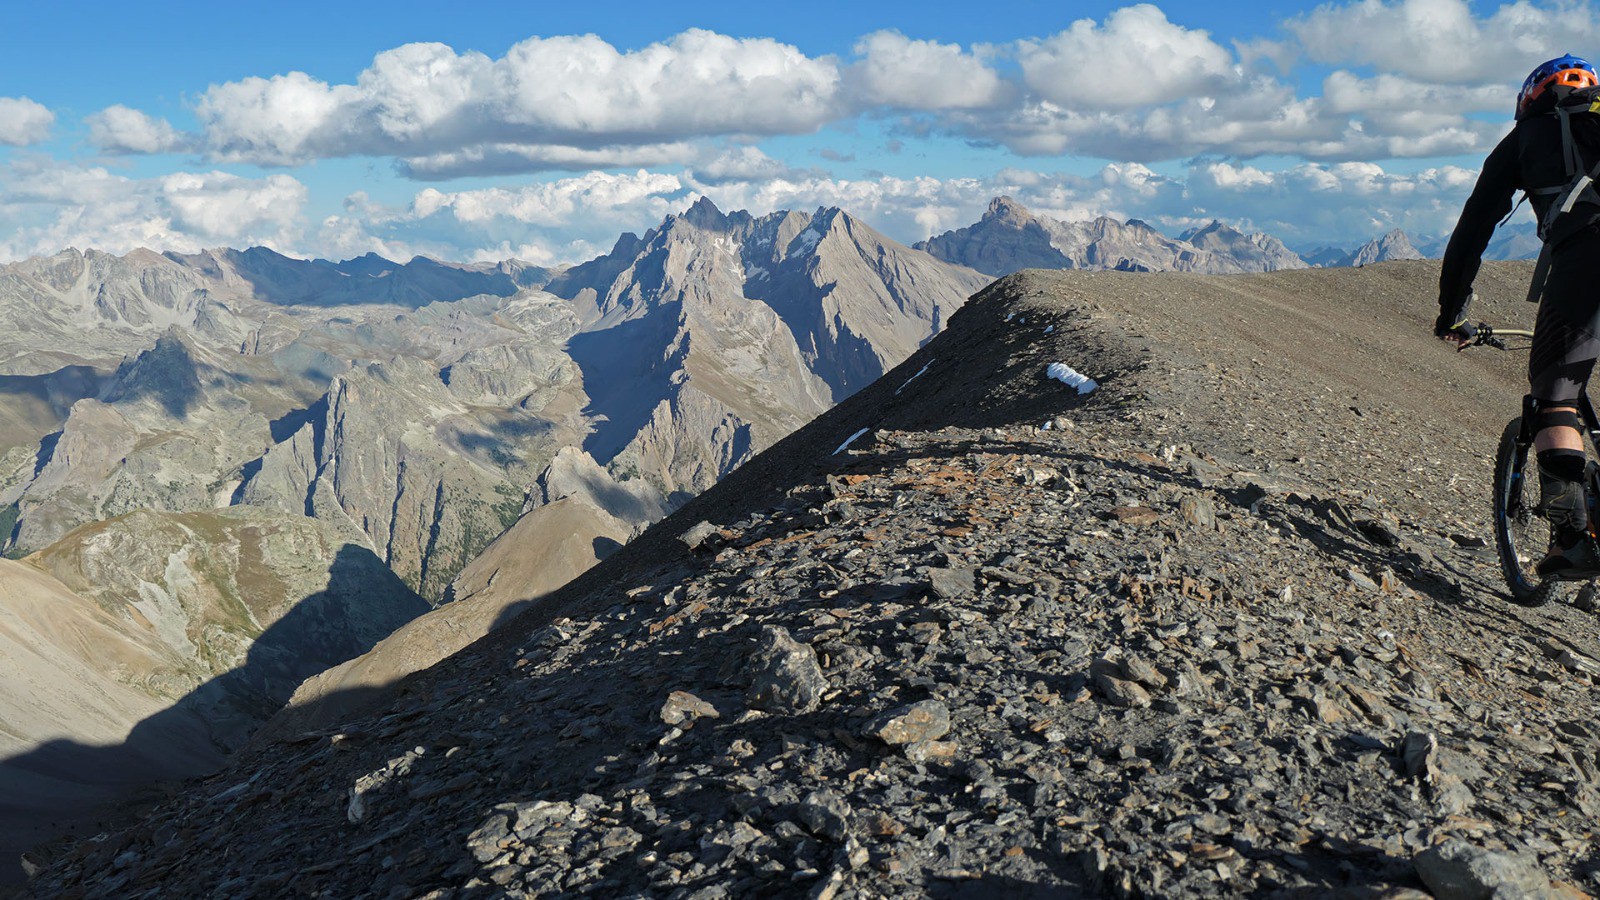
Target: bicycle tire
1520, 533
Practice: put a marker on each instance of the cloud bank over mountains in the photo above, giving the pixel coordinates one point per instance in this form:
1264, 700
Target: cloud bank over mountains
1133, 87
1288, 131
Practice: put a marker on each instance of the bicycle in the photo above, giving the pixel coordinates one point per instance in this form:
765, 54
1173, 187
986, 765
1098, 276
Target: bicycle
1517, 515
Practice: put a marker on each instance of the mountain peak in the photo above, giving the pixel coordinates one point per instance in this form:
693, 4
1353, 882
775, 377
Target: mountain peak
1006, 209
704, 214
1392, 246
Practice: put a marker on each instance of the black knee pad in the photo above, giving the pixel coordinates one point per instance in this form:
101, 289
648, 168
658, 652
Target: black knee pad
1566, 465
1559, 417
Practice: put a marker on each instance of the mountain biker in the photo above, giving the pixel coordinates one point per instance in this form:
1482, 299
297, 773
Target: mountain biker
1534, 158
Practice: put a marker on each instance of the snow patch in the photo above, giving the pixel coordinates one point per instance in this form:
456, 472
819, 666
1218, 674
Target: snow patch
805, 240
850, 440
1050, 329
1071, 377
913, 378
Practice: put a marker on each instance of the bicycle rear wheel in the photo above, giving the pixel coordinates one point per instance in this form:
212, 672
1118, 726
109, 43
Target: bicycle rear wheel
1520, 533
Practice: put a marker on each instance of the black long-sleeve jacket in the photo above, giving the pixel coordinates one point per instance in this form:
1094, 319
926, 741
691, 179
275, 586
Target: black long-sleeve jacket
1530, 158
1498, 183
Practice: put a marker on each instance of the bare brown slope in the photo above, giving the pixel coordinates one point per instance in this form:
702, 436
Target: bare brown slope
960, 554
536, 556
67, 670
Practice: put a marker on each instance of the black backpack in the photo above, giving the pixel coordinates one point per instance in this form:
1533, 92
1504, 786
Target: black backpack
1557, 222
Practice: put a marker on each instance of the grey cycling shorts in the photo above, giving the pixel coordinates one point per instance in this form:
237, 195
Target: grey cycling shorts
1566, 337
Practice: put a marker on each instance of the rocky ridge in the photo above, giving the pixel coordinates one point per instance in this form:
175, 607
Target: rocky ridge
1220, 626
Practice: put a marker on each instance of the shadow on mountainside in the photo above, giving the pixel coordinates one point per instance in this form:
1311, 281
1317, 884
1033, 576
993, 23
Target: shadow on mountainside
64, 787
614, 362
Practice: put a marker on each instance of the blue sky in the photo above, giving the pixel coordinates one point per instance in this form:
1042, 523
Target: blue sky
490, 129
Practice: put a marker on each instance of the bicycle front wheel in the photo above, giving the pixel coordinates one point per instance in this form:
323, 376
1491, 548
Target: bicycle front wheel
1520, 533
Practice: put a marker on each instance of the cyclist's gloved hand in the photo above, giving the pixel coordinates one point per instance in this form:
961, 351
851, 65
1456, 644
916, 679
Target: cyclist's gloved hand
1461, 334
1452, 322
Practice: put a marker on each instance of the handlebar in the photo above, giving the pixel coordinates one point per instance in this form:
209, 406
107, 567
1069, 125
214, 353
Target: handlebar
1490, 336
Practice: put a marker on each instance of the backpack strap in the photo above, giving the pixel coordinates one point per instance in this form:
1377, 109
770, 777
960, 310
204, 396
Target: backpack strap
1580, 188
1569, 147
1541, 274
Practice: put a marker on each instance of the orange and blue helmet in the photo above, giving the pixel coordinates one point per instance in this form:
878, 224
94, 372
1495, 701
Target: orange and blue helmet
1572, 71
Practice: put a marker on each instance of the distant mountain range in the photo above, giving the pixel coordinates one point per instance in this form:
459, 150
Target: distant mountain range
1394, 245
1009, 238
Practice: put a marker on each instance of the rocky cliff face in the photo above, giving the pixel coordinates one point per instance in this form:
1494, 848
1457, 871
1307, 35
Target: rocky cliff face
1180, 642
422, 407
742, 329
1009, 238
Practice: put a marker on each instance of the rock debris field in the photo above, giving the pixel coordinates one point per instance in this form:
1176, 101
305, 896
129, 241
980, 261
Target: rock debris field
1229, 624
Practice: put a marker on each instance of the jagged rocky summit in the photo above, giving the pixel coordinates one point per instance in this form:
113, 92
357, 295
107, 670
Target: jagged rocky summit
1392, 246
1009, 238
1221, 626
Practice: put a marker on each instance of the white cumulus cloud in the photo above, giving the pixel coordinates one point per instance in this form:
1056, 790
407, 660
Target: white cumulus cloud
1443, 41
1133, 86
280, 120
119, 129
24, 122
740, 163
576, 92
896, 71
1136, 57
